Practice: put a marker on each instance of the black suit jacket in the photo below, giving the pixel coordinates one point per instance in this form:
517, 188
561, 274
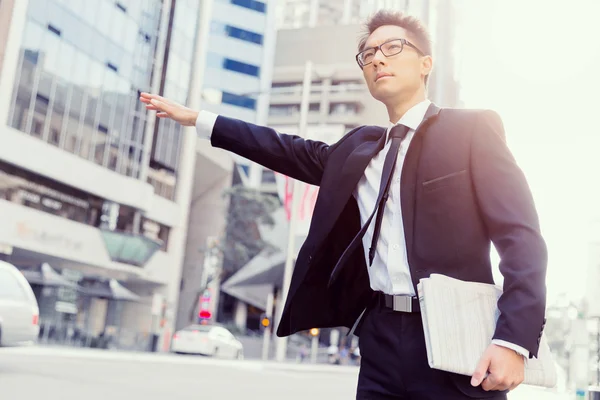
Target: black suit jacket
461, 190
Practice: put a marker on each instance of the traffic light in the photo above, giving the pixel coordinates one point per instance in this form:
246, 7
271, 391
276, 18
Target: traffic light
265, 321
314, 332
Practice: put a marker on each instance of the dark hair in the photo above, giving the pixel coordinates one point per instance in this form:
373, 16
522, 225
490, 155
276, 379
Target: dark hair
416, 29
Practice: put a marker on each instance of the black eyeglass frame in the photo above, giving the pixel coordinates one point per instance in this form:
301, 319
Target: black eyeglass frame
377, 48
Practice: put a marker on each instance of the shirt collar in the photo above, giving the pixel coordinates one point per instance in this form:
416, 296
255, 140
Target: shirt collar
413, 117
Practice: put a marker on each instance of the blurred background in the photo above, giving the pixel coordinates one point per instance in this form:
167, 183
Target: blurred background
138, 240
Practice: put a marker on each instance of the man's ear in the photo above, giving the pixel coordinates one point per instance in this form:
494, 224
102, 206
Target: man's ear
426, 65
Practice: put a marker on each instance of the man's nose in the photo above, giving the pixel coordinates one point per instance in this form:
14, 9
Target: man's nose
378, 58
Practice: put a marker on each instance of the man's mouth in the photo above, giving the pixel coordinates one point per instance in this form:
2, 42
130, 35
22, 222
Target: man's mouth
382, 75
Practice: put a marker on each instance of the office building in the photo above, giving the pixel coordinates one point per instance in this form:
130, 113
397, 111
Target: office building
239, 42
94, 186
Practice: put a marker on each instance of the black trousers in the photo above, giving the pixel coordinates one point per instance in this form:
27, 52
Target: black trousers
394, 362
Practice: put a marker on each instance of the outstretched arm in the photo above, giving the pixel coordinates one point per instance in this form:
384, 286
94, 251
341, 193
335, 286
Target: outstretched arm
288, 154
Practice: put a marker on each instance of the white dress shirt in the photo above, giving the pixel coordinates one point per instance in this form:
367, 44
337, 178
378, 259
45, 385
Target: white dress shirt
390, 272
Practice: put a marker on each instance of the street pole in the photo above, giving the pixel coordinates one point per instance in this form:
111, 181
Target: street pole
281, 348
267, 332
314, 349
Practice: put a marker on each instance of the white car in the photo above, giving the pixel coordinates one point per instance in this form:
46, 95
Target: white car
19, 312
210, 340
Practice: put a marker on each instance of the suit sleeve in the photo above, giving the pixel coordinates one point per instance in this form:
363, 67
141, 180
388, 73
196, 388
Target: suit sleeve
511, 219
287, 154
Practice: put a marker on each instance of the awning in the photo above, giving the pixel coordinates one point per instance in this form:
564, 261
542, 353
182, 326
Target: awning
255, 295
45, 275
108, 289
129, 248
265, 268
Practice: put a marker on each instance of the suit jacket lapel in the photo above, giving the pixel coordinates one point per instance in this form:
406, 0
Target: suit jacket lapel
352, 170
408, 184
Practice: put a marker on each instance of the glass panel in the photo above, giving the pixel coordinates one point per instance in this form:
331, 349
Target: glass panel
30, 58
129, 248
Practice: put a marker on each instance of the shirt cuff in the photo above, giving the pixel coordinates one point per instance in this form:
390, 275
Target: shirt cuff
205, 124
522, 351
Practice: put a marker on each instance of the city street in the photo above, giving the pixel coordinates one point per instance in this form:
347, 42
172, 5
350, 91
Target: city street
67, 374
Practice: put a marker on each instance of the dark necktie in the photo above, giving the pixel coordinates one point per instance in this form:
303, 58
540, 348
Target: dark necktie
397, 133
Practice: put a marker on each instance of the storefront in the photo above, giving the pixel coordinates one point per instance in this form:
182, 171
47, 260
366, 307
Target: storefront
85, 257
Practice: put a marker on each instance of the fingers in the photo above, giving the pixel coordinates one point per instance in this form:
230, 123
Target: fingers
491, 383
160, 106
147, 97
481, 370
495, 382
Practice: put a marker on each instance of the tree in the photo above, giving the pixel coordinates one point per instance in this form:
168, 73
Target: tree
248, 208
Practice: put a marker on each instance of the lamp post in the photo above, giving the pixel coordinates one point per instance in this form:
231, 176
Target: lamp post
289, 262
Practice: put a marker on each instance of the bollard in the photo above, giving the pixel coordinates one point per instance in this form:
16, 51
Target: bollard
594, 393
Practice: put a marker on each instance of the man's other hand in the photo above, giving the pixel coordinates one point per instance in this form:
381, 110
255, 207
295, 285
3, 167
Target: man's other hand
505, 369
168, 109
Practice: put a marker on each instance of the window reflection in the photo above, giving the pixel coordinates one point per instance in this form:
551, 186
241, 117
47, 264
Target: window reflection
80, 69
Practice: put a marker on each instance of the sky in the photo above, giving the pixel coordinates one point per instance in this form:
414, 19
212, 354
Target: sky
537, 63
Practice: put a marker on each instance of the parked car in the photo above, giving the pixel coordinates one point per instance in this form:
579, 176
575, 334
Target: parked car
19, 312
210, 340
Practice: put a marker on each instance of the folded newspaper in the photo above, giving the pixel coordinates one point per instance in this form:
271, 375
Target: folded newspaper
459, 319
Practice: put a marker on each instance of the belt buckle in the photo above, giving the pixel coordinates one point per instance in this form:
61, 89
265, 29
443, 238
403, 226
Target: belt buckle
403, 303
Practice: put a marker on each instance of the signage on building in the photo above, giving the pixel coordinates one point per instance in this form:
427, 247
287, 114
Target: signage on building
26, 231
44, 233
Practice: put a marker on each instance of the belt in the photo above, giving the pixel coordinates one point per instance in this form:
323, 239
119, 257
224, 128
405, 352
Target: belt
401, 303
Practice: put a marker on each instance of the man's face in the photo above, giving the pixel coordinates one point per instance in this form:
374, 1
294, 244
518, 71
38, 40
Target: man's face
403, 73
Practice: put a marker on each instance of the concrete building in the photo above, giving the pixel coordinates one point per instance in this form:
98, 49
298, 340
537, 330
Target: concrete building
326, 33
239, 40
91, 184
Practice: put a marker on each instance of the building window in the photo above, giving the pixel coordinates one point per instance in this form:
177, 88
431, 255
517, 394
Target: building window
156, 231
249, 4
121, 7
241, 67
295, 88
291, 109
54, 29
242, 34
240, 101
163, 182
344, 108
345, 86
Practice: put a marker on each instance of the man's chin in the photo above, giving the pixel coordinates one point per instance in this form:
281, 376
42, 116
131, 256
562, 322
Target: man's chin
385, 95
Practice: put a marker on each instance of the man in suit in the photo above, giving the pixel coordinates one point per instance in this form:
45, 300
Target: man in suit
429, 193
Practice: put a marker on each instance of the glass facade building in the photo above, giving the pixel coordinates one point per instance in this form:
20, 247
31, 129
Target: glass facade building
81, 68
92, 183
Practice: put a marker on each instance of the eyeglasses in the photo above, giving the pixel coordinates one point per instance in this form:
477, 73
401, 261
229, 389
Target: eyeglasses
388, 49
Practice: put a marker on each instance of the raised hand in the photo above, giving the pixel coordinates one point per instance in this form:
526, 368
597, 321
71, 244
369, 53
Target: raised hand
168, 109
